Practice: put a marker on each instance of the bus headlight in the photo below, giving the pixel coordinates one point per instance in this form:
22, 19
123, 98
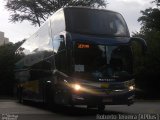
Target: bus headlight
131, 88
77, 87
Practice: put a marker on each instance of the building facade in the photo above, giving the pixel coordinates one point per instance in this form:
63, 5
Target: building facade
3, 39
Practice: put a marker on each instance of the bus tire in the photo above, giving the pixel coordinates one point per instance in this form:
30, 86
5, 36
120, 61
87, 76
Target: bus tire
20, 96
49, 97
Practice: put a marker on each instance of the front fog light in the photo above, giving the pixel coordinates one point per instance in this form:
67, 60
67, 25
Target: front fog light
77, 87
131, 88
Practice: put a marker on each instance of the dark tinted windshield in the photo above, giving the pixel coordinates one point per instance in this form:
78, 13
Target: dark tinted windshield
102, 61
96, 22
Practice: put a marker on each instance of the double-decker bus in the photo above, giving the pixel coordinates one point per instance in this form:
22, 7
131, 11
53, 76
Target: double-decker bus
79, 56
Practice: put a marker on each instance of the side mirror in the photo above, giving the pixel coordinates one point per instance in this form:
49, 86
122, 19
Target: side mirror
58, 42
58, 38
142, 42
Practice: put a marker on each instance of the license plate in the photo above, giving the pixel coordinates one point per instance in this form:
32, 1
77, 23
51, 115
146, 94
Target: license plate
107, 100
105, 85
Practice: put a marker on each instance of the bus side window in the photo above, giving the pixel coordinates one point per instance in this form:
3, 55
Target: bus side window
60, 52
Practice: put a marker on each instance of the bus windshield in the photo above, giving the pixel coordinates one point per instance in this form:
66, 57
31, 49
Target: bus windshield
102, 61
96, 22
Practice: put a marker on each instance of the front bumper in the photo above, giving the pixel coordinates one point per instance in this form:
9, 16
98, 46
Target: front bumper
116, 97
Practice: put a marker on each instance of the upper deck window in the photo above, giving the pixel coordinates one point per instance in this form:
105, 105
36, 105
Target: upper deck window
96, 22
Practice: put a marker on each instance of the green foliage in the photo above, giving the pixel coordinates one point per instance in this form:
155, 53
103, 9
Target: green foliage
148, 66
7, 61
150, 20
157, 2
150, 31
37, 11
152, 59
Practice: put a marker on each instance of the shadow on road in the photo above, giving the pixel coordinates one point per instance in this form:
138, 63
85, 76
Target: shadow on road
79, 111
72, 111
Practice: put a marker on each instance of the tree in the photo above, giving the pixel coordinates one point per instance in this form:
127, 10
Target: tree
150, 20
148, 67
157, 2
7, 61
37, 11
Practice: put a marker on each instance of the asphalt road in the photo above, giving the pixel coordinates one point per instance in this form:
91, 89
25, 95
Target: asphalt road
12, 110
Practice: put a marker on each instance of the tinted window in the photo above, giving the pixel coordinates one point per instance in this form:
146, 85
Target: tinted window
102, 60
98, 22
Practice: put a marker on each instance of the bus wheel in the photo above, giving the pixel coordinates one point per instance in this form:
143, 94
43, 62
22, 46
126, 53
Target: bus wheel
101, 108
20, 95
49, 100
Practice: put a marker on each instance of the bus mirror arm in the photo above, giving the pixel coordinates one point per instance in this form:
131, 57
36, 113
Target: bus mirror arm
142, 43
54, 71
59, 73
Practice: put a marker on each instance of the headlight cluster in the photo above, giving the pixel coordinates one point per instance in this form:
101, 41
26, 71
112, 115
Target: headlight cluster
130, 85
77, 87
